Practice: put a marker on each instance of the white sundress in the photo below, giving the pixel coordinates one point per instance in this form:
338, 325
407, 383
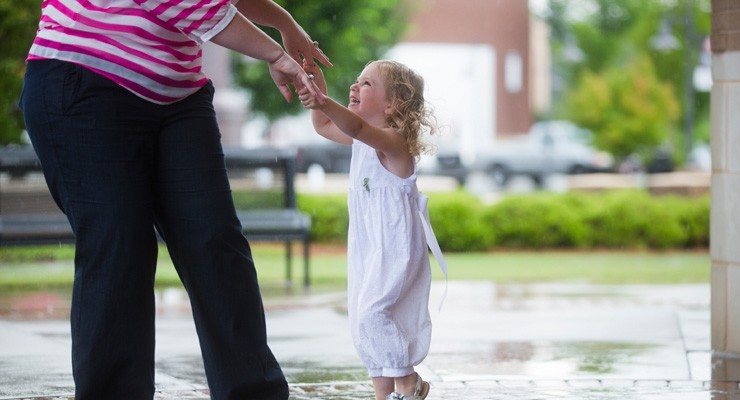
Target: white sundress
389, 274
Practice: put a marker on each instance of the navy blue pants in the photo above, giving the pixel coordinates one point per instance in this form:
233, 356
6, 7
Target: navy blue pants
120, 167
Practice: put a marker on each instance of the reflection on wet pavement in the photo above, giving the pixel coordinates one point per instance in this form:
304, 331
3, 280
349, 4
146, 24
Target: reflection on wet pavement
317, 373
539, 341
35, 305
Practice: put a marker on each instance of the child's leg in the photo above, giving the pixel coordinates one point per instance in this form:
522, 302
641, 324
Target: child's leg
406, 384
383, 387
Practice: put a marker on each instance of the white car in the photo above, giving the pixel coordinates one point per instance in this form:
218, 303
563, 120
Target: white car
550, 147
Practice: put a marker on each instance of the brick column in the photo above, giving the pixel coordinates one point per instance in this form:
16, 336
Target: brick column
725, 214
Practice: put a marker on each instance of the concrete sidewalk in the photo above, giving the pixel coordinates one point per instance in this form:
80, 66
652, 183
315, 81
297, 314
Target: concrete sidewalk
548, 341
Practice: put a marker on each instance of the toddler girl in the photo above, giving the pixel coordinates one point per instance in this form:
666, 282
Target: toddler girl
389, 274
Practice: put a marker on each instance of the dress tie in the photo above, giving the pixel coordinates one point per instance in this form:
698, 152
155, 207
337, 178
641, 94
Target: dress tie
422, 201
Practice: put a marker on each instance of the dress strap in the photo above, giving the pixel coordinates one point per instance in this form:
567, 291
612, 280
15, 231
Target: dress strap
422, 201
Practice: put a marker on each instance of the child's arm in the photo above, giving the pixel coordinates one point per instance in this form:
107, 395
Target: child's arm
321, 123
336, 122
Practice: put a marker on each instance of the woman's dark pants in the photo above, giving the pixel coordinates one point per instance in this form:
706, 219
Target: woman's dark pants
119, 167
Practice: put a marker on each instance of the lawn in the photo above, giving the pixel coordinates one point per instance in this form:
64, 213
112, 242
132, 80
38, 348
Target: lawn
52, 267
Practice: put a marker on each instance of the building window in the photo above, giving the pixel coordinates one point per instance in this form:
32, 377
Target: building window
513, 72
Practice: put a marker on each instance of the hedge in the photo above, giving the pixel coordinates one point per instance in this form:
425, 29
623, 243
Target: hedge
630, 219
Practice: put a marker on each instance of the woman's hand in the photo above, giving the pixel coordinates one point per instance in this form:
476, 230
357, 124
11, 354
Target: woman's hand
299, 48
303, 50
285, 71
316, 74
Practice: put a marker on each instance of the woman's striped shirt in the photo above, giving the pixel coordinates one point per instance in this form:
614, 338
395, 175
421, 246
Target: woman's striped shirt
150, 47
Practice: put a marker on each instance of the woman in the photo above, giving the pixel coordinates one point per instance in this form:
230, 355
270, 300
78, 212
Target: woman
121, 117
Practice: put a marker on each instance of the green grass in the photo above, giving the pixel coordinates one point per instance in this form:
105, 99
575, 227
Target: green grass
600, 267
52, 267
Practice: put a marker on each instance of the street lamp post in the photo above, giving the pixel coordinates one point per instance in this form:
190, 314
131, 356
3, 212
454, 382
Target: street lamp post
688, 78
664, 41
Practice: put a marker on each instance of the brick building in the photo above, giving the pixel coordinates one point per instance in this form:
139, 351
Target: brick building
501, 25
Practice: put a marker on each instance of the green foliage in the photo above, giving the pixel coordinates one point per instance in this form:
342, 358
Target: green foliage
616, 34
457, 223
329, 216
351, 33
18, 23
692, 217
630, 219
544, 221
256, 200
634, 219
628, 109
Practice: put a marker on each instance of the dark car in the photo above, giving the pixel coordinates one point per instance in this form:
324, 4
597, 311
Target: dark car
330, 156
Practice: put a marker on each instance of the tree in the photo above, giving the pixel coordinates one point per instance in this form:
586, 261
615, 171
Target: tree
18, 24
614, 33
351, 33
628, 108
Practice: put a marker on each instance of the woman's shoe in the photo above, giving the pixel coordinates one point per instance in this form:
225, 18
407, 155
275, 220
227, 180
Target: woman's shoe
420, 392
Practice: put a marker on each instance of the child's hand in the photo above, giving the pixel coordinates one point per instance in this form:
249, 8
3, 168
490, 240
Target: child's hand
308, 100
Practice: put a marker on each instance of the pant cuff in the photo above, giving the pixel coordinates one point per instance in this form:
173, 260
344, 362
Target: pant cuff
397, 372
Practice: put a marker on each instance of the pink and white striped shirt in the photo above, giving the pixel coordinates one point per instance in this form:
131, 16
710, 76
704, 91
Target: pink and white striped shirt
150, 47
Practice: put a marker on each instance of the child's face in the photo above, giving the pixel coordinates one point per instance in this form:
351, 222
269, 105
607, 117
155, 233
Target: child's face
367, 97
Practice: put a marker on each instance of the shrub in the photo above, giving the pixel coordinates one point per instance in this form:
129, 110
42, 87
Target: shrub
664, 229
456, 220
693, 218
633, 219
619, 219
536, 221
329, 216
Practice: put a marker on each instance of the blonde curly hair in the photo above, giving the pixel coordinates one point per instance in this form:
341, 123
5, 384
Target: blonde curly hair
410, 112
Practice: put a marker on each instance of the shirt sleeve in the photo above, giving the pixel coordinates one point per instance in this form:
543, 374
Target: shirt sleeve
200, 20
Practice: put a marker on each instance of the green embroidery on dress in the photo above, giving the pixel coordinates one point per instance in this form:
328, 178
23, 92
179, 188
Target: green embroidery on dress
365, 184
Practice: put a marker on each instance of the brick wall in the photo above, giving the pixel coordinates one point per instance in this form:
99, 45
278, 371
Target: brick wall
502, 24
725, 191
725, 27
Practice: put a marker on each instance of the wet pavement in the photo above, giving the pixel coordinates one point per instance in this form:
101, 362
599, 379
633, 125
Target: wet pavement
537, 341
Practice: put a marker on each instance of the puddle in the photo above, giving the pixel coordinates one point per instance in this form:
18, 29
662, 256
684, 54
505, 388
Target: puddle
599, 358
311, 372
546, 360
190, 369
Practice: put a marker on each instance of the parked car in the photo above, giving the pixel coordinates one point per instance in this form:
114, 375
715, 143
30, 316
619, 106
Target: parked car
550, 147
330, 156
661, 161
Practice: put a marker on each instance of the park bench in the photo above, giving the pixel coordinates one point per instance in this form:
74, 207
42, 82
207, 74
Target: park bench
262, 182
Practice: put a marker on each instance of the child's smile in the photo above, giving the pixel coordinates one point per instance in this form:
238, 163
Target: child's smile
367, 96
